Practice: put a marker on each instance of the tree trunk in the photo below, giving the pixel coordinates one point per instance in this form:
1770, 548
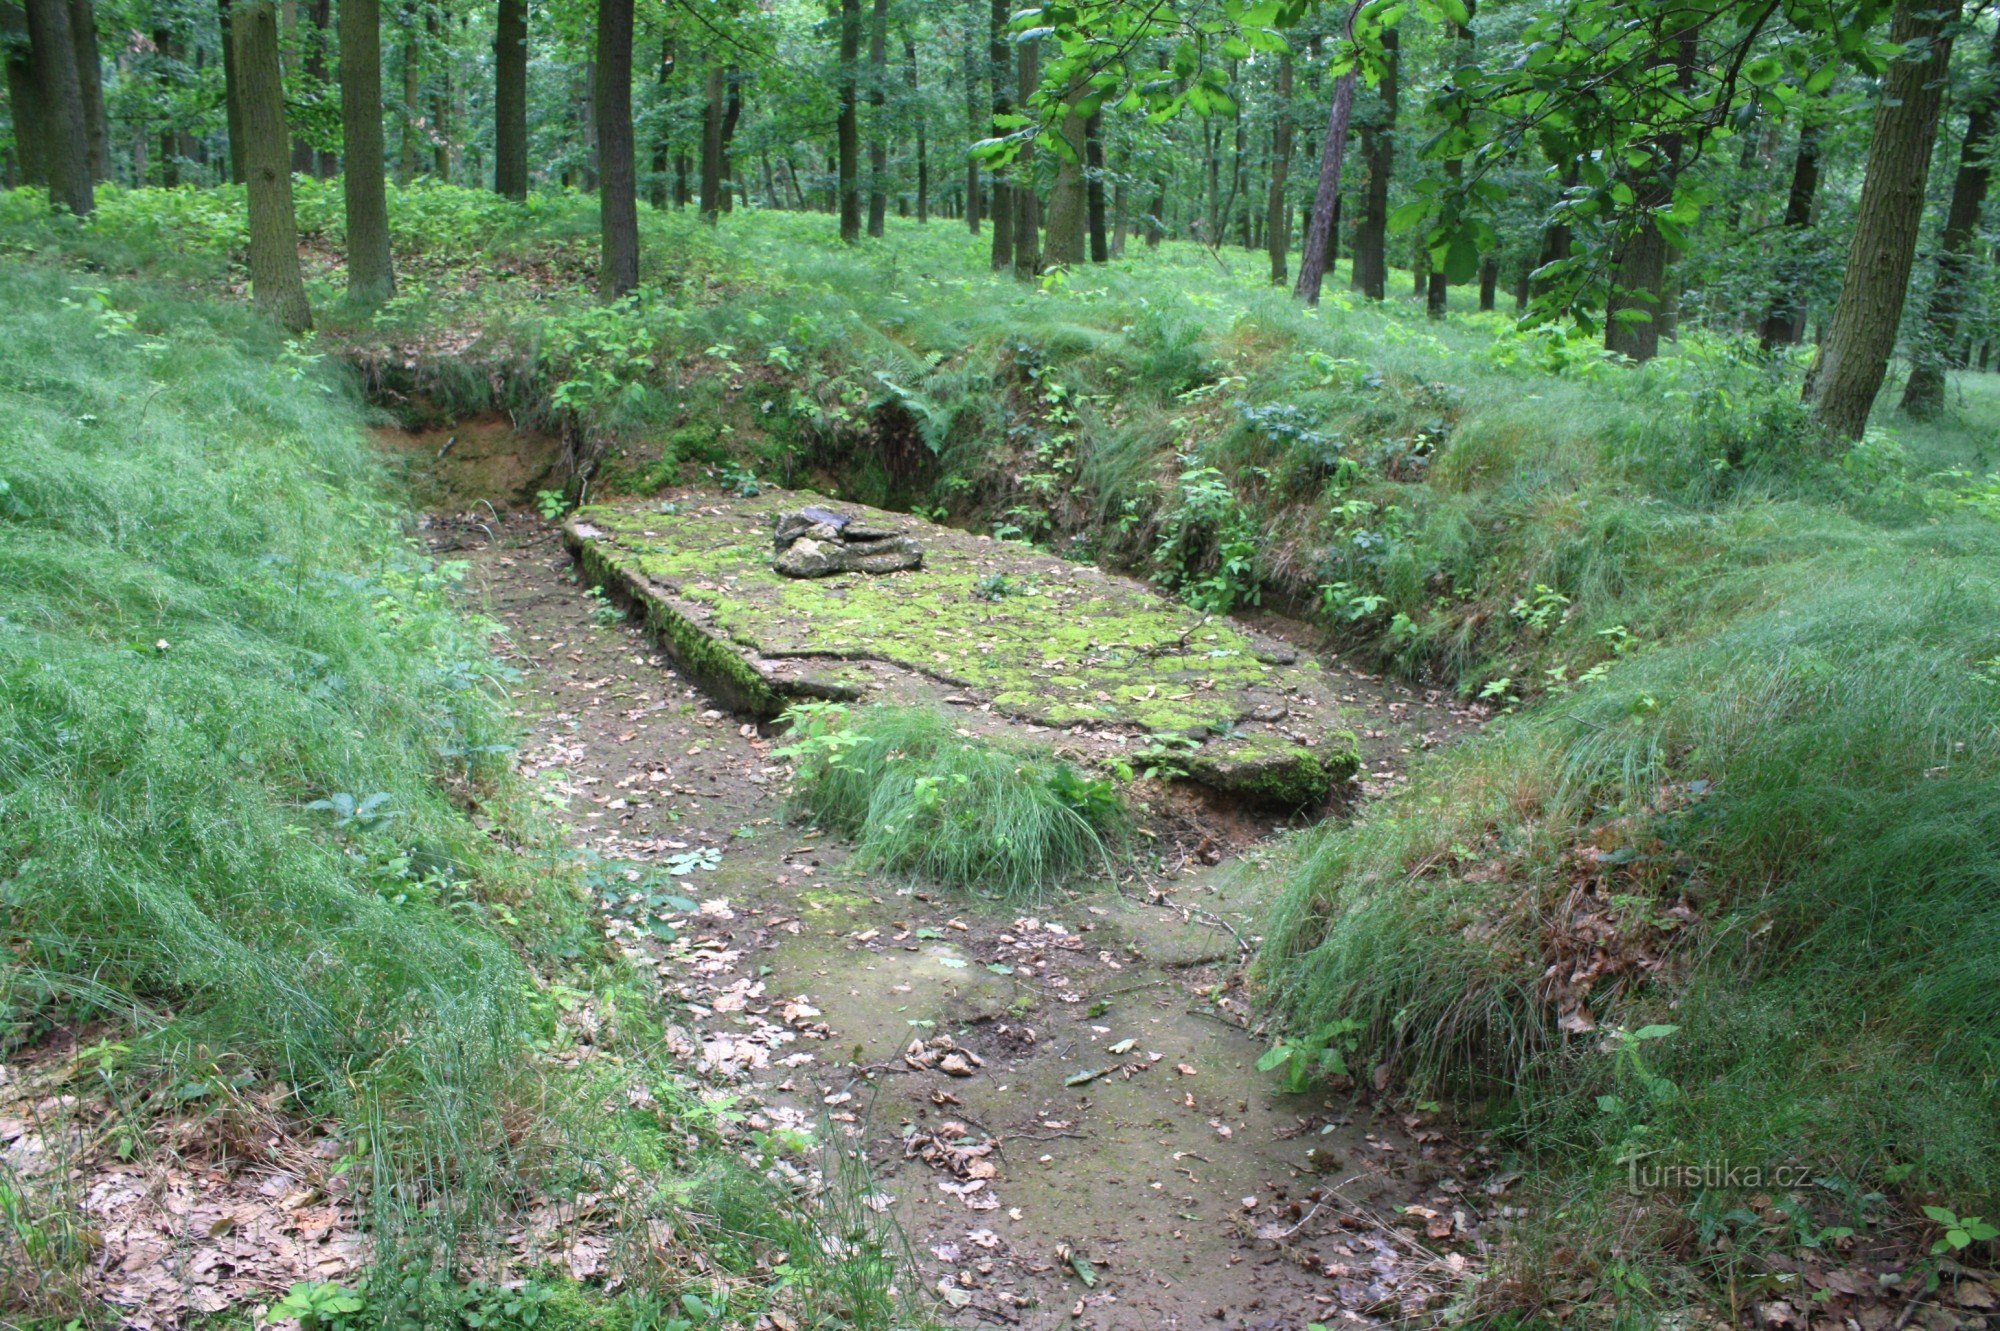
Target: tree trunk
24, 97
1093, 187
440, 104
923, 148
1923, 395
370, 276
732, 112
66, 152
848, 133
1635, 313
1317, 254
1489, 281
680, 180
1277, 208
276, 284
510, 99
406, 156
1855, 355
232, 92
1067, 204
878, 120
618, 188
970, 60
1027, 204
1378, 156
311, 40
90, 84
714, 92
1784, 323
1439, 291
1000, 72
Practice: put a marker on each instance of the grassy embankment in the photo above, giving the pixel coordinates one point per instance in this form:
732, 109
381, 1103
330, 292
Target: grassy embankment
263, 863
1749, 786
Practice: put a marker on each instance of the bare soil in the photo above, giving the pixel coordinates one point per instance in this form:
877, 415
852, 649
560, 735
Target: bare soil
1059, 1107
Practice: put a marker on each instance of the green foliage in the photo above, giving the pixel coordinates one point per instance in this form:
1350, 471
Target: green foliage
922, 798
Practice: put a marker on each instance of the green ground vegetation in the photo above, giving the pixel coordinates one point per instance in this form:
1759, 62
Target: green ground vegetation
261, 853
923, 798
1719, 882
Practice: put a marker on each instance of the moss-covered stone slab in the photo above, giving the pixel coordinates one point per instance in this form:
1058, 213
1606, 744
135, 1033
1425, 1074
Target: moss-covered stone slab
989, 625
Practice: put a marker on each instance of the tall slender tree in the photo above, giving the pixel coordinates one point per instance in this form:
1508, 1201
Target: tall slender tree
714, 94
974, 21
1093, 186
1784, 322
24, 95
232, 91
510, 99
371, 276
1636, 312
1854, 357
65, 142
1316, 250
1278, 204
922, 126
1000, 72
1923, 394
90, 85
1068, 202
878, 119
1438, 293
847, 131
618, 188
1027, 203
276, 284
1378, 157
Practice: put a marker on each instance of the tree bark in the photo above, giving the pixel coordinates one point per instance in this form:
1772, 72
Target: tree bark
1639, 276
406, 155
371, 276
714, 92
1093, 187
1378, 157
232, 92
618, 188
510, 99
970, 60
1855, 354
732, 112
440, 103
1000, 72
878, 120
1784, 322
66, 150
1923, 395
1316, 255
1277, 207
1489, 281
848, 132
90, 84
311, 39
1438, 294
24, 97
923, 147
1027, 204
1067, 204
276, 285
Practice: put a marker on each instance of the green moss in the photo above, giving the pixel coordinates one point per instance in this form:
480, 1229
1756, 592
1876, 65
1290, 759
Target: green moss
1067, 645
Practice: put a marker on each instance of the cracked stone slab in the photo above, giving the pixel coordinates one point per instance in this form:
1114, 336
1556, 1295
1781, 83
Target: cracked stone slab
994, 627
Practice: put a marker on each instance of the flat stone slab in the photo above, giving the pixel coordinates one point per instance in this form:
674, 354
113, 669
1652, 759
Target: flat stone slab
992, 626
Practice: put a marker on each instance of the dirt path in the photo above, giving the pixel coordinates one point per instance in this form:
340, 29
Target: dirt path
1061, 1107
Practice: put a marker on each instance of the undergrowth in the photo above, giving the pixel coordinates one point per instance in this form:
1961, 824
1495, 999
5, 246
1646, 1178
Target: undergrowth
261, 857
1745, 782
925, 799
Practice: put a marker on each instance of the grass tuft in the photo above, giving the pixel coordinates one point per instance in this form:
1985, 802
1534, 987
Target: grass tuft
924, 799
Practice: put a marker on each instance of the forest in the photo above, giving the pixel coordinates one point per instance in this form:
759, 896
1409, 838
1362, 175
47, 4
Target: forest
679, 664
